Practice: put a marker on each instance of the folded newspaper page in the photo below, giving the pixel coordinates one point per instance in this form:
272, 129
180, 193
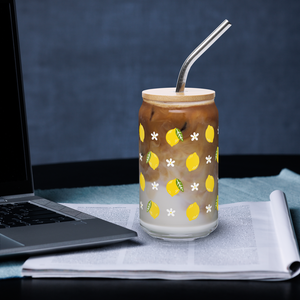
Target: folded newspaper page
254, 240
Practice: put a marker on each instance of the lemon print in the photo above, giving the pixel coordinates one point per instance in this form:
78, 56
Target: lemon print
217, 155
209, 183
217, 203
142, 181
152, 159
153, 209
174, 186
192, 162
142, 132
173, 136
209, 134
193, 211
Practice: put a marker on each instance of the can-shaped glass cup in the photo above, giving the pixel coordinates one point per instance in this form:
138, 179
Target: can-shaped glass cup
178, 163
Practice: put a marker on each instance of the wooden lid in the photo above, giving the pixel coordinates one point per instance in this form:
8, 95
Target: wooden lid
169, 95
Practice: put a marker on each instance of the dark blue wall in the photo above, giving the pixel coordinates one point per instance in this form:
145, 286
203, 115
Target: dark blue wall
86, 62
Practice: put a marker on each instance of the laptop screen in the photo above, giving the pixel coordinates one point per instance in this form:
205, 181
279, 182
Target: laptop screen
15, 169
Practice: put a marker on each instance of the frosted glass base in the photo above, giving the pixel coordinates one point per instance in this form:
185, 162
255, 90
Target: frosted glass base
178, 233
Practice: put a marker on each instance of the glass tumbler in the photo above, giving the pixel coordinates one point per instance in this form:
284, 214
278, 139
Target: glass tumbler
178, 163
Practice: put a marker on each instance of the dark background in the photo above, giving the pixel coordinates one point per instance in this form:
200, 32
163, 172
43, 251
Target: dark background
86, 62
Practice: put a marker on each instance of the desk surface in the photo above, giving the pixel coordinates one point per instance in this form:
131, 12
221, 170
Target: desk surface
96, 173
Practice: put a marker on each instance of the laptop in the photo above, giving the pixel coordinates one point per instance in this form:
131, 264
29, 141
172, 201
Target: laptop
30, 225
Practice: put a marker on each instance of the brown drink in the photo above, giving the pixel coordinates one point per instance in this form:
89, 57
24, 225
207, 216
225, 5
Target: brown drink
178, 166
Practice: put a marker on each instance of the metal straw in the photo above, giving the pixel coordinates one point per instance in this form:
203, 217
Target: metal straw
197, 53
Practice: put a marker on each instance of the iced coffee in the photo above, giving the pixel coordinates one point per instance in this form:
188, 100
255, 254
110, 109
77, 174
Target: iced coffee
178, 163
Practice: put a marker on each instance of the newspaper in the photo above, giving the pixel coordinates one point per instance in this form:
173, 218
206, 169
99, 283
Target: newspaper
254, 240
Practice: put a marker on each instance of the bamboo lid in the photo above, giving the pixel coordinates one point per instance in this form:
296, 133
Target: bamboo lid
170, 95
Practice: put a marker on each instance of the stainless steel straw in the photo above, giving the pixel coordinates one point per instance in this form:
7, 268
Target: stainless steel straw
197, 53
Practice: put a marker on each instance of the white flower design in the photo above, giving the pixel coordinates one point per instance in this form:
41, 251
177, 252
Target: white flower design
194, 136
208, 159
170, 162
154, 135
141, 157
155, 186
208, 208
171, 212
141, 205
195, 186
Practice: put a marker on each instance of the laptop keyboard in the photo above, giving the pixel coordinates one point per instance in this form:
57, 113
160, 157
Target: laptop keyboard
27, 214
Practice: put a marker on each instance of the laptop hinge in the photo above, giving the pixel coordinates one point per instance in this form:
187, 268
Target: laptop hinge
17, 196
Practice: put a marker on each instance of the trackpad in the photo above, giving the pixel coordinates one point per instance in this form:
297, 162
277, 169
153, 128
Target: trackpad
7, 243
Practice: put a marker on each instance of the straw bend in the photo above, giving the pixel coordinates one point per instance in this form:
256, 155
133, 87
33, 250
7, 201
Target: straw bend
181, 81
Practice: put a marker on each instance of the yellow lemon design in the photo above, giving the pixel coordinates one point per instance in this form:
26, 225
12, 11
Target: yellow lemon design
152, 159
173, 136
192, 162
142, 132
142, 181
174, 186
193, 211
209, 183
153, 209
217, 203
217, 155
209, 134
